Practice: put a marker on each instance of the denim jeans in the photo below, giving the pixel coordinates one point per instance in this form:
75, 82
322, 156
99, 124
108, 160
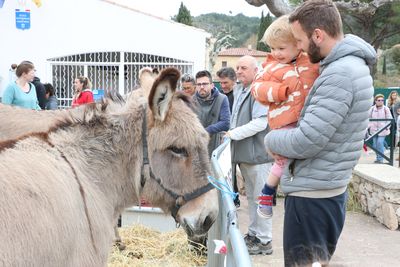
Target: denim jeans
378, 143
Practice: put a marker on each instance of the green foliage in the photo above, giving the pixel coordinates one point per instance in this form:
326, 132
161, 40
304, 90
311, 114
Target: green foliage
353, 201
380, 29
264, 24
240, 27
390, 62
393, 55
183, 16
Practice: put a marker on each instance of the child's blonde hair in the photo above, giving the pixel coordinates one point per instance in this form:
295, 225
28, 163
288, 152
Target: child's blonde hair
279, 32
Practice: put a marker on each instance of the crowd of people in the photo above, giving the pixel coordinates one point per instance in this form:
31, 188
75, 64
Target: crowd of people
25, 89
287, 120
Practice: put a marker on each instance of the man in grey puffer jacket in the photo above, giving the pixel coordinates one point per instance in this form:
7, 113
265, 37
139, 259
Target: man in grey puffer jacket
328, 140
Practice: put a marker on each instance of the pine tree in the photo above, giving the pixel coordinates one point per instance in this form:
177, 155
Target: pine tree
183, 16
264, 24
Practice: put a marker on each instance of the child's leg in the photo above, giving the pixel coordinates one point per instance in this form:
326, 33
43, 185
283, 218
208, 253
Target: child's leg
274, 177
267, 193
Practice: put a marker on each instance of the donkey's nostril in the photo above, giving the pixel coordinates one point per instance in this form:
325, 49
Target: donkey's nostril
207, 223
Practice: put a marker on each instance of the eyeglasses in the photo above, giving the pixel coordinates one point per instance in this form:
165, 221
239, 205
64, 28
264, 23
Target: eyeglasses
379, 100
202, 84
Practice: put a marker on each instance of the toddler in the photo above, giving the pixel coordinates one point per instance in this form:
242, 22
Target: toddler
283, 85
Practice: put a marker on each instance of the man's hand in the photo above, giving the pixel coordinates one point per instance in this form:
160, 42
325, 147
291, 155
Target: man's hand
227, 135
275, 156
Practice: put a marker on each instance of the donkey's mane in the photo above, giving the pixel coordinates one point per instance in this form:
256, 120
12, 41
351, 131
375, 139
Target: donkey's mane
91, 114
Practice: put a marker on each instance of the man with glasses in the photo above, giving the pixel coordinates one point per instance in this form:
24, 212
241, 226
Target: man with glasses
188, 84
212, 109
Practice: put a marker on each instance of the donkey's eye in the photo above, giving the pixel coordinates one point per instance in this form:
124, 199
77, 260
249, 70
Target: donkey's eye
178, 151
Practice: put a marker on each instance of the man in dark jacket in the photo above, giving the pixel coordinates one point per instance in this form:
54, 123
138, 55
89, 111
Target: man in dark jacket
212, 109
227, 80
328, 140
40, 92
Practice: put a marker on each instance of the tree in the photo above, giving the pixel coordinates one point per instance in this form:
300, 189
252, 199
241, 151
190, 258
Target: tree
183, 16
264, 24
240, 26
373, 20
223, 40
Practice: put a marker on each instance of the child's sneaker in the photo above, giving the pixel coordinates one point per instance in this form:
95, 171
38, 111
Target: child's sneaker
264, 209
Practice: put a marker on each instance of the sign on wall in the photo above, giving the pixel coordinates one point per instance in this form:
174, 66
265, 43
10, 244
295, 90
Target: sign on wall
23, 19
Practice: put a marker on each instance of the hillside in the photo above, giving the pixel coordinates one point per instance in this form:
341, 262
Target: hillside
240, 26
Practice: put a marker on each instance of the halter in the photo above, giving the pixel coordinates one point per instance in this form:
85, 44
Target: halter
180, 199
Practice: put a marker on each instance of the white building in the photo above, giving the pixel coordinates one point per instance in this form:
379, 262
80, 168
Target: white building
95, 38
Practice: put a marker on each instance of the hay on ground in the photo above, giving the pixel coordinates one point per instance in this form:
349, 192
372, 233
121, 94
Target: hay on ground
146, 247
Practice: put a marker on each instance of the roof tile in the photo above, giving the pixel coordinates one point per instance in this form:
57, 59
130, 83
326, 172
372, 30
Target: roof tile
242, 52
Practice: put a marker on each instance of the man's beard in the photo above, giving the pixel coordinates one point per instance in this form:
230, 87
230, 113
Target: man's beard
314, 52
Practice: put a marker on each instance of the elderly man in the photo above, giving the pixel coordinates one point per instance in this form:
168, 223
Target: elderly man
248, 129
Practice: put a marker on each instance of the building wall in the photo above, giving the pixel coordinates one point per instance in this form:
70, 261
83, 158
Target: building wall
60, 28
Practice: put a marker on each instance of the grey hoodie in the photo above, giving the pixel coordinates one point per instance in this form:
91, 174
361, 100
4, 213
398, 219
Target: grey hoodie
328, 140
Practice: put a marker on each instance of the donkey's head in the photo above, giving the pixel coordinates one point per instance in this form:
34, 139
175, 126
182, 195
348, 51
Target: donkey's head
177, 144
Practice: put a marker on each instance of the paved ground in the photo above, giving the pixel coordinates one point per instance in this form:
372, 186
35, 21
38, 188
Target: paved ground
364, 241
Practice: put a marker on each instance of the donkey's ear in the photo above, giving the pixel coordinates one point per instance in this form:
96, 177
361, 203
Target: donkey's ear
146, 79
162, 91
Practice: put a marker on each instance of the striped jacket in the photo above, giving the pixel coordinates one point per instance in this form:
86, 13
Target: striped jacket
284, 88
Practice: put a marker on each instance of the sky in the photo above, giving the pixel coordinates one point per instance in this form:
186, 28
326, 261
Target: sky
169, 8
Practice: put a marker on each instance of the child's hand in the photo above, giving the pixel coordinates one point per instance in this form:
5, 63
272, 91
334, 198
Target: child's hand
278, 157
274, 155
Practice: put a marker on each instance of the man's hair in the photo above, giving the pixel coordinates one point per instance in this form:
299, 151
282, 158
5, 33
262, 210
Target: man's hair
227, 72
318, 14
279, 32
204, 73
379, 96
187, 78
49, 89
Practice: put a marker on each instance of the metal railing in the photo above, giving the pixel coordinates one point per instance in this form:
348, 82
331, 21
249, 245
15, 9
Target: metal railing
392, 137
113, 71
226, 225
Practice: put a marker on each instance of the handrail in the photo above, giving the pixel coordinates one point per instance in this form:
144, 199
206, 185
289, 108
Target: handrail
367, 140
226, 225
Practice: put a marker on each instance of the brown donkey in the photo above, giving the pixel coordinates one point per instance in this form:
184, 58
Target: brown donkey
68, 174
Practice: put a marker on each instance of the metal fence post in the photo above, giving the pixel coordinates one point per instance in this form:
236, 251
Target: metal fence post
226, 227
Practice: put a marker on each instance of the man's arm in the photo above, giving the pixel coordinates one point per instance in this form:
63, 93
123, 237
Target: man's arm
328, 107
257, 124
223, 122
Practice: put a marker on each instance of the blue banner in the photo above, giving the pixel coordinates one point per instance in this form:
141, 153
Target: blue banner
23, 19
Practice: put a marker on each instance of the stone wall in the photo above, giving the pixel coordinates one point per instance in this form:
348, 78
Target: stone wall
377, 187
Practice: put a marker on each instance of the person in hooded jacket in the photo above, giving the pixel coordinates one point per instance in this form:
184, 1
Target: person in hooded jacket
52, 102
327, 142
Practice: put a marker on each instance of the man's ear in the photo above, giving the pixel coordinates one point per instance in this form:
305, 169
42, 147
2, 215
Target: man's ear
318, 36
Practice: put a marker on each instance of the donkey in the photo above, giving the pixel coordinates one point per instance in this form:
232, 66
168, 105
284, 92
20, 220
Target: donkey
66, 180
